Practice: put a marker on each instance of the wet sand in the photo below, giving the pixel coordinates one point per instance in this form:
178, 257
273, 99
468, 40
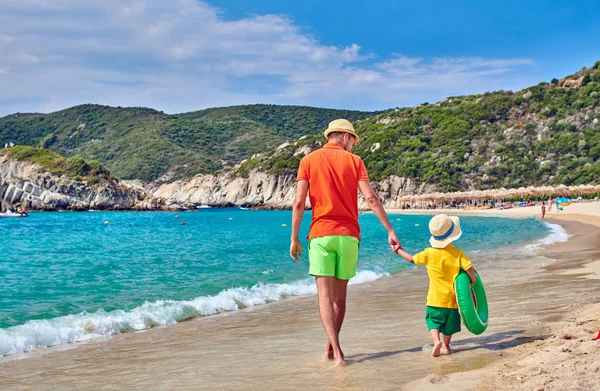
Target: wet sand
278, 346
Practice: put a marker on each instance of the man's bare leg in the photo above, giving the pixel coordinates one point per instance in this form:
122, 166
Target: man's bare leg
446, 345
339, 306
437, 344
326, 293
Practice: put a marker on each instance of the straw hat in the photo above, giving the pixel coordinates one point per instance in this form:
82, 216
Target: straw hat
444, 230
341, 125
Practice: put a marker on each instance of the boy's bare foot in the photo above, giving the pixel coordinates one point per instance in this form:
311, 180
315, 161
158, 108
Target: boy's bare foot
436, 349
445, 350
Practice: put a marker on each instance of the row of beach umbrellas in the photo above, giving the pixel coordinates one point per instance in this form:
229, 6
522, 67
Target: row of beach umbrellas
501, 194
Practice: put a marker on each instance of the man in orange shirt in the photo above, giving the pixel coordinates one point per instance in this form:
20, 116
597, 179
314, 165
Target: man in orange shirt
332, 175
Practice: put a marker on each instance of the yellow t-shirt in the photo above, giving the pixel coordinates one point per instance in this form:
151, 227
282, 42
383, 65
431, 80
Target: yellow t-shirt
443, 265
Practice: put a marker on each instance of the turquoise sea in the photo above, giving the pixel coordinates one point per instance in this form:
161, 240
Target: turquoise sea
69, 277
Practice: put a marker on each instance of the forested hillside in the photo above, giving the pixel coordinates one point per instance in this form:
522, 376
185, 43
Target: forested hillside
545, 134
140, 143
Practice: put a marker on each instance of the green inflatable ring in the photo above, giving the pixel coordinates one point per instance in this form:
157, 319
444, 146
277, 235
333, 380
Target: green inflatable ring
473, 312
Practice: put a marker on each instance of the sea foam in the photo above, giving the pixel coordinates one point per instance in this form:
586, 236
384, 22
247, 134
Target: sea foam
86, 326
557, 235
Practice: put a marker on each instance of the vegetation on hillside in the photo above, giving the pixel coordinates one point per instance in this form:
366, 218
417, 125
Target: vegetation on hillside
140, 143
546, 134
73, 167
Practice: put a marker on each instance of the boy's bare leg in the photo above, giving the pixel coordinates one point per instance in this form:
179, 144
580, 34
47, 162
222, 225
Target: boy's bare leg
446, 345
437, 344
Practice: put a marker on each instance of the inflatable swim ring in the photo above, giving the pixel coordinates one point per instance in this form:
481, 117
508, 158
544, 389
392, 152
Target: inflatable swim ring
472, 305
564, 201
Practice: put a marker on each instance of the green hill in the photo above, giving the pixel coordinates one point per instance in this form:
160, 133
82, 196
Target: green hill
141, 143
545, 134
74, 167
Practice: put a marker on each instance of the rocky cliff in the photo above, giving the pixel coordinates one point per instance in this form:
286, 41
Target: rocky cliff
31, 185
261, 190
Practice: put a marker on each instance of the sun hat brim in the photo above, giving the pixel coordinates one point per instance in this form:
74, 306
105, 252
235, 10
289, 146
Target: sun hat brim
456, 233
332, 130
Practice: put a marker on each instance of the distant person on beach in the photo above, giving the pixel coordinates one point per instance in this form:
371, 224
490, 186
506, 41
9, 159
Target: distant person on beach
443, 262
331, 176
543, 210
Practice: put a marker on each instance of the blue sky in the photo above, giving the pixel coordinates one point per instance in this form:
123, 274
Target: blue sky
184, 55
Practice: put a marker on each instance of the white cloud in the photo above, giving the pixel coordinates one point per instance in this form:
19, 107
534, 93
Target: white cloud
184, 55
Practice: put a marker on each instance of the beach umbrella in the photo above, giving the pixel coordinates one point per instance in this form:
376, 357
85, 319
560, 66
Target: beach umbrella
561, 189
522, 191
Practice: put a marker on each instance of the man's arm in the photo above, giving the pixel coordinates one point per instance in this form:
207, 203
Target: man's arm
297, 213
375, 205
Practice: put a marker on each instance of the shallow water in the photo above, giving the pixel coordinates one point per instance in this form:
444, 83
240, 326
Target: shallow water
77, 276
278, 345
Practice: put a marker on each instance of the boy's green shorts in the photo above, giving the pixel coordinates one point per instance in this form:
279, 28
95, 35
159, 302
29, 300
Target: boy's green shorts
333, 256
447, 320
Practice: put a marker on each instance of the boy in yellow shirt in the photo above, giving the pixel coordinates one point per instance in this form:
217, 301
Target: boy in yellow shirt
443, 262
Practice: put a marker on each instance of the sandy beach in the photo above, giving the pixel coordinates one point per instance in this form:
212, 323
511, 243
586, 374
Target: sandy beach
544, 311
583, 212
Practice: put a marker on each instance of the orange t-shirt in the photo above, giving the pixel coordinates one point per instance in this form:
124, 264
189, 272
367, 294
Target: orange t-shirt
333, 175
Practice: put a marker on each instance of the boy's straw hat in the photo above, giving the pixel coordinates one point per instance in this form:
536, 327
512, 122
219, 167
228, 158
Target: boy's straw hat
444, 230
341, 125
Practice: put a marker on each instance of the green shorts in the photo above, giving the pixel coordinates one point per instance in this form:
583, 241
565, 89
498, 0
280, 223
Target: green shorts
333, 256
447, 320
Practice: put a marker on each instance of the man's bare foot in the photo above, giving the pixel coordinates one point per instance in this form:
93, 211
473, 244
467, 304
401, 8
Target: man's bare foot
328, 355
436, 349
340, 362
445, 350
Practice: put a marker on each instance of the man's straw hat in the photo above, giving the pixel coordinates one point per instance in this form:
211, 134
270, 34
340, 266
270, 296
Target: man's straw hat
341, 125
444, 230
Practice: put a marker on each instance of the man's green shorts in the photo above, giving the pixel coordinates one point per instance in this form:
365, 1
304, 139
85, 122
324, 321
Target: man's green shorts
333, 256
447, 320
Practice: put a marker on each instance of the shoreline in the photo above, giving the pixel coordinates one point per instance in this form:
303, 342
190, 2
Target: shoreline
371, 314
143, 317
583, 212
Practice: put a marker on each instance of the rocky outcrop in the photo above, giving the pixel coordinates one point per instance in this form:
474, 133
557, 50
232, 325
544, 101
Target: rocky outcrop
257, 190
31, 185
261, 190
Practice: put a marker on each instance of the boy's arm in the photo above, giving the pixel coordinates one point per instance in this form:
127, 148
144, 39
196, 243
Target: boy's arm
407, 257
471, 273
